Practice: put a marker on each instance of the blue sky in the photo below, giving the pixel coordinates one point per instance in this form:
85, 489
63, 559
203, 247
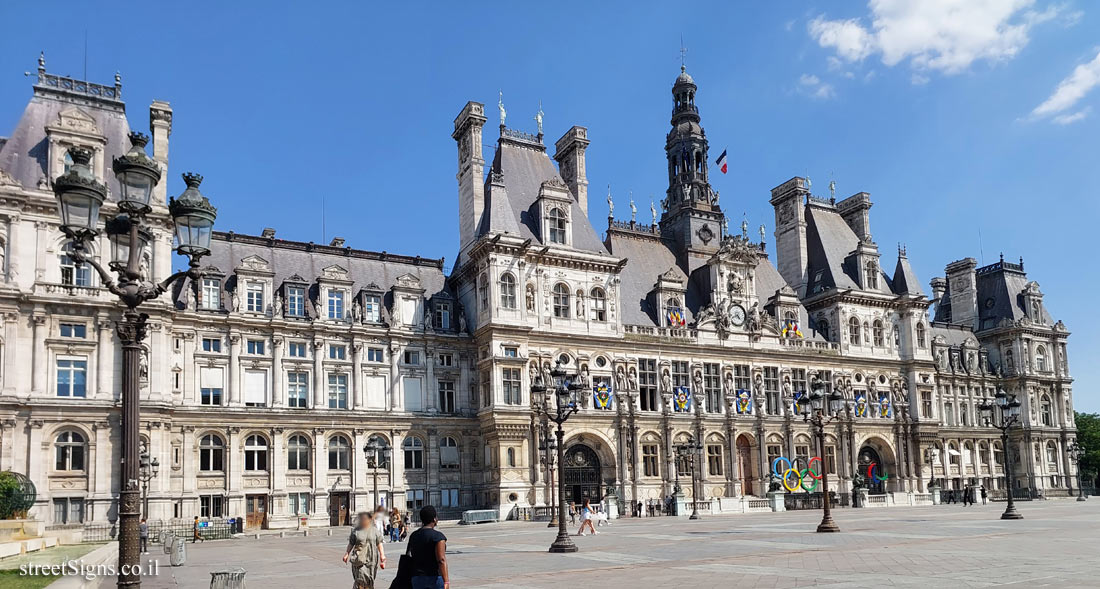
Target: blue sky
960, 117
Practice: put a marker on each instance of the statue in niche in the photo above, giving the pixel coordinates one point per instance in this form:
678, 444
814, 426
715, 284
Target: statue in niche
666, 381
632, 380
277, 305
620, 379
531, 298
356, 311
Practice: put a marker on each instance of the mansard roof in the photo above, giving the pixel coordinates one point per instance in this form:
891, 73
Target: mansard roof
1001, 287
905, 279
520, 166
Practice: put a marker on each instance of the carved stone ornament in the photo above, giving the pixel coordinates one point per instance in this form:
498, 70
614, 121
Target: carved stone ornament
705, 233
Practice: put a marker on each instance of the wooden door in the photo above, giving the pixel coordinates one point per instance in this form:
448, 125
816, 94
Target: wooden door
255, 511
338, 509
744, 464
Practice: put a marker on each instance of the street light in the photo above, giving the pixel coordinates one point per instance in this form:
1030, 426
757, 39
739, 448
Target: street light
1009, 411
147, 471
822, 410
80, 196
1077, 453
548, 445
564, 389
687, 451
374, 448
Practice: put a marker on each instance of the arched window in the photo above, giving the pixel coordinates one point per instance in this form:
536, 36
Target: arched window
255, 453
968, 454
74, 274
507, 291
599, 304
823, 329
920, 335
853, 331
297, 453
448, 452
511, 456
1046, 411
339, 453
998, 454
555, 224
878, 334
414, 453
1041, 359
953, 454
70, 452
483, 291
983, 453
872, 275
561, 300
211, 453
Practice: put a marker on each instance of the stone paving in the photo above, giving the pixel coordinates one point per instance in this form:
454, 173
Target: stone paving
942, 546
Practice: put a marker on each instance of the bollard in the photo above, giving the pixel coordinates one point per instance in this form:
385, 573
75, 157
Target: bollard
178, 556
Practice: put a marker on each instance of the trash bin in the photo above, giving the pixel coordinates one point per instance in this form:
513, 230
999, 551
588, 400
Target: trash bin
227, 579
178, 555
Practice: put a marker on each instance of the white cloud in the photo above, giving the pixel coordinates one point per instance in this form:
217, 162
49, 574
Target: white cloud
811, 85
919, 79
942, 35
1069, 92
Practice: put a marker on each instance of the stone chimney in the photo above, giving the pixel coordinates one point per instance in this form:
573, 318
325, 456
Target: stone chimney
160, 124
569, 153
471, 170
336, 242
855, 210
939, 286
962, 291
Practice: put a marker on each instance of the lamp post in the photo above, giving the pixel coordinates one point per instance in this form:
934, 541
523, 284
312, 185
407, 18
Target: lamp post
548, 445
80, 196
565, 391
147, 471
1077, 453
372, 450
687, 451
822, 410
1008, 410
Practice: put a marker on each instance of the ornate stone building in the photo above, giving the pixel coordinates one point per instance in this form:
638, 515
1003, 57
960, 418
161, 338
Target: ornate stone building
264, 380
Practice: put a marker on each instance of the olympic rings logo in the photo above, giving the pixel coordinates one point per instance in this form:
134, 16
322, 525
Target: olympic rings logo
871, 468
794, 477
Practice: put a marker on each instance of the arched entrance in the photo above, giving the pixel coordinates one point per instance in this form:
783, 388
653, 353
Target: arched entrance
871, 464
744, 463
581, 474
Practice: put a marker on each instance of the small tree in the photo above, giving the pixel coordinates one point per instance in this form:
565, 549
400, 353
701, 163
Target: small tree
1088, 435
15, 497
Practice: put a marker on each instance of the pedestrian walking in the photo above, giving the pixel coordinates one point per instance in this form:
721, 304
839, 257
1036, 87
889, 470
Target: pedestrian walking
380, 521
639, 509
967, 499
572, 514
365, 552
984, 494
195, 534
428, 553
406, 527
143, 536
395, 525
586, 519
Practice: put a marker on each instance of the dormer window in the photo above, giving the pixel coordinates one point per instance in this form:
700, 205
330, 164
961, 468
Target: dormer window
872, 276
556, 226
74, 274
254, 294
442, 315
372, 308
335, 304
211, 294
1036, 312
296, 301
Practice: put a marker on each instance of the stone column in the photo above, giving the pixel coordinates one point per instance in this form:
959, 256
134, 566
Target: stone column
105, 346
14, 356
234, 472
356, 400
234, 383
320, 474
397, 399
319, 396
41, 356
397, 468
361, 483
430, 385
276, 468
733, 463
277, 378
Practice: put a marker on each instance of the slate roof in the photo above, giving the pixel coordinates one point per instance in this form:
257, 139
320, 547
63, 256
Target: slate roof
829, 243
24, 154
905, 279
647, 259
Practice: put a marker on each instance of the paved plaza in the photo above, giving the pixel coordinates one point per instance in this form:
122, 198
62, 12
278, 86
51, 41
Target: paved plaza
943, 546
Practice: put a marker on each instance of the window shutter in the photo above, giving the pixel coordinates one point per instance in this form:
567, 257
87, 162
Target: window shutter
413, 394
211, 378
255, 387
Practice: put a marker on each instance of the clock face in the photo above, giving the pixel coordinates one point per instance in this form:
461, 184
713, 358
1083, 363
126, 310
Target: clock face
737, 314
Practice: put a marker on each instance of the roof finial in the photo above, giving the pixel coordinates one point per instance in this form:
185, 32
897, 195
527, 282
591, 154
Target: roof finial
42, 62
538, 118
744, 227
832, 188
683, 52
763, 232
500, 105
610, 204
633, 209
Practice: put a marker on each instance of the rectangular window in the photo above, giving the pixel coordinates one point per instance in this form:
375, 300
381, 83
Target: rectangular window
296, 349
742, 377
211, 294
442, 315
76, 330
255, 297
647, 383
802, 452
211, 506
335, 304
212, 344
511, 352
372, 308
714, 460
68, 510
374, 355
414, 500
210, 386
412, 357
255, 346
680, 375
771, 390
297, 389
484, 391
830, 459
511, 383
926, 404
712, 387
296, 301
449, 498
337, 352
414, 393
650, 462
447, 360
74, 274
255, 388
774, 451
298, 503
798, 380
72, 374
337, 391
949, 414
446, 396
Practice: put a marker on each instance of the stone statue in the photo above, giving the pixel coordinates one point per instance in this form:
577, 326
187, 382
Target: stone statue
666, 381
538, 117
632, 380
610, 203
143, 366
832, 188
763, 232
653, 211
620, 379
237, 300
189, 298
356, 311
633, 211
530, 298
500, 105
697, 380
533, 369
752, 318
461, 320
727, 384
278, 305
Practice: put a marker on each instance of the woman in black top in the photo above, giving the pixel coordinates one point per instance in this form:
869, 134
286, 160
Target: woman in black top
428, 550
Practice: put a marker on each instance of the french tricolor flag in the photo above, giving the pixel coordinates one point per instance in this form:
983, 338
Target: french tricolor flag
723, 164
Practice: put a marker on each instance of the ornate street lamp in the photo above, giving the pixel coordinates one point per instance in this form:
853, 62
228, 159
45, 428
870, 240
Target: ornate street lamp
79, 197
1077, 453
688, 451
822, 410
564, 389
548, 445
374, 449
1008, 410
147, 471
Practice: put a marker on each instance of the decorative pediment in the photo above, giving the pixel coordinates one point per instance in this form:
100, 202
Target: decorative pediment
6, 179
254, 264
296, 279
408, 281
736, 248
372, 287
74, 120
335, 273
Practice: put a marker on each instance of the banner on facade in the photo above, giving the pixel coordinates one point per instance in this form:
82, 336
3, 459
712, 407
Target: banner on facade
861, 405
675, 317
601, 395
884, 405
682, 399
799, 401
744, 402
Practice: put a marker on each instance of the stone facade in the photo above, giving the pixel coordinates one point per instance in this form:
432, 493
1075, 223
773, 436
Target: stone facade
263, 381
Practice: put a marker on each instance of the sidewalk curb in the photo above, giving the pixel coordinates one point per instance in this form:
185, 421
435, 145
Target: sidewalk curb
106, 554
